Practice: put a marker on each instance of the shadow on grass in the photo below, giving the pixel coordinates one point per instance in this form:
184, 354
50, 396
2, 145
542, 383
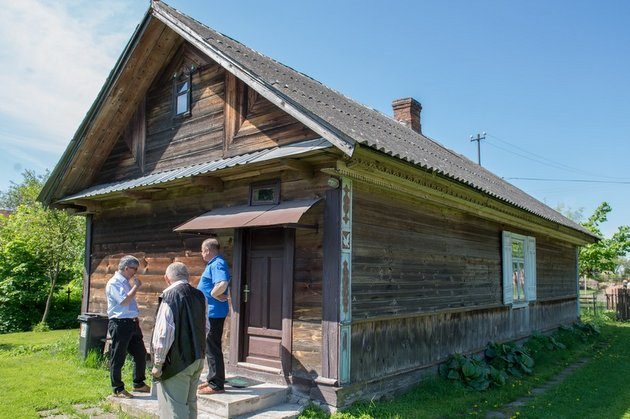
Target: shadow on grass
7, 346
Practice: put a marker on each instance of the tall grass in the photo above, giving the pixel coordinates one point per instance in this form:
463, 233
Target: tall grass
43, 370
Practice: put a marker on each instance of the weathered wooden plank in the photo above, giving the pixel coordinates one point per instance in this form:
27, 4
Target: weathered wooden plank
147, 234
383, 348
157, 45
409, 258
307, 297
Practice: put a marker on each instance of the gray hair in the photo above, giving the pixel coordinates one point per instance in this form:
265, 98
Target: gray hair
211, 244
128, 262
177, 271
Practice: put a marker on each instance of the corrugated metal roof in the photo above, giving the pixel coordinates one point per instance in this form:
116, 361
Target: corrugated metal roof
365, 125
203, 168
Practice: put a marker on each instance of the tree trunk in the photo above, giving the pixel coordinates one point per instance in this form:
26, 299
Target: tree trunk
49, 299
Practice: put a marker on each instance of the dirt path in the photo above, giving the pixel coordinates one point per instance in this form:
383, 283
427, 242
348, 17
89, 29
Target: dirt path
508, 410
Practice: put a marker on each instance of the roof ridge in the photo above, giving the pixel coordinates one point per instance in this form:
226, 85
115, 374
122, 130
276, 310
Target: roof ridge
333, 115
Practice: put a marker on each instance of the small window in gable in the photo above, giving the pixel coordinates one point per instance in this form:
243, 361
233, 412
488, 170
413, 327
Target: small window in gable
519, 269
264, 193
182, 104
182, 93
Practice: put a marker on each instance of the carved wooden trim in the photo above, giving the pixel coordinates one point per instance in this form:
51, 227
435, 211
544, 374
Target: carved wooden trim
395, 176
345, 275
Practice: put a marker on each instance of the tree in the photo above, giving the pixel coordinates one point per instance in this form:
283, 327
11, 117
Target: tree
604, 255
24, 193
40, 249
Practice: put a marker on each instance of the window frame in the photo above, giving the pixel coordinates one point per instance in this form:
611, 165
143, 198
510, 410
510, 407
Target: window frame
177, 81
270, 184
528, 265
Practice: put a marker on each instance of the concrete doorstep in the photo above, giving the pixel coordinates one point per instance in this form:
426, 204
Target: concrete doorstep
262, 401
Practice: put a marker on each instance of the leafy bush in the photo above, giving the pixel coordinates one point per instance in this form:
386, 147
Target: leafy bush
23, 287
540, 343
41, 327
584, 331
473, 372
41, 250
587, 329
64, 312
508, 357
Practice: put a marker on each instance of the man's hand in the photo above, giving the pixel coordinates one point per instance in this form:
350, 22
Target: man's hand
156, 371
137, 282
218, 290
223, 298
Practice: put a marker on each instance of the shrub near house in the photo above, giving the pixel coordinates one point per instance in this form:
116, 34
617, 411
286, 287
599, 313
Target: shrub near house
41, 251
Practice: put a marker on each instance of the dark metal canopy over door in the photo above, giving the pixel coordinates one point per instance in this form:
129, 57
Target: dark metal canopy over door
286, 213
266, 303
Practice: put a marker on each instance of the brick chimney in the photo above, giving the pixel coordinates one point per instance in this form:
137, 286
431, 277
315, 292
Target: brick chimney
407, 111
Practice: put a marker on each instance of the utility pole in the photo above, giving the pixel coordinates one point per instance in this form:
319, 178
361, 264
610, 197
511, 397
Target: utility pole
478, 139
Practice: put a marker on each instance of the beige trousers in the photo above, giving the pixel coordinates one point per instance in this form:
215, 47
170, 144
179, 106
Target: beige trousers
177, 396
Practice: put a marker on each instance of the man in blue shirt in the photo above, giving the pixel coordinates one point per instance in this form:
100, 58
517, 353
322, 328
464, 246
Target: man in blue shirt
214, 284
124, 327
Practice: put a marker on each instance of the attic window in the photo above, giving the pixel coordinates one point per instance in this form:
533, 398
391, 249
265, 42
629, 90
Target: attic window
264, 193
182, 93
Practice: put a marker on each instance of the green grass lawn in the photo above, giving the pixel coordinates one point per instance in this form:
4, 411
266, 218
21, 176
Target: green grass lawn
595, 391
598, 390
42, 370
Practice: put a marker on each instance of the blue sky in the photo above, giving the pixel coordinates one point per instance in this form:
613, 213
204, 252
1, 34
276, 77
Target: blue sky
547, 81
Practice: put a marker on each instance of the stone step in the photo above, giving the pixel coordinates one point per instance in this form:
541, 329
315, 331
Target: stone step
141, 406
240, 401
268, 400
282, 411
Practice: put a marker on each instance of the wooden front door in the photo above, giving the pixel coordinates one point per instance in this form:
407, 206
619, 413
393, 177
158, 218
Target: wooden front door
266, 293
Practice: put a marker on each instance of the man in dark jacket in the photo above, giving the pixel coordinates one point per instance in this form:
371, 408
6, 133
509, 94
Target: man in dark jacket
179, 344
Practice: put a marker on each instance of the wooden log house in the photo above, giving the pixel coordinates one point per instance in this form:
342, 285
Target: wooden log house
363, 253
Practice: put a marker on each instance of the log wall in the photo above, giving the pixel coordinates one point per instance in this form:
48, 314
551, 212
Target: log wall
145, 231
410, 257
427, 282
556, 268
391, 355
307, 296
171, 142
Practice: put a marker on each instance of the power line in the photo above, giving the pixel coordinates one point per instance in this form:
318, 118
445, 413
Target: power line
544, 160
526, 157
568, 180
478, 139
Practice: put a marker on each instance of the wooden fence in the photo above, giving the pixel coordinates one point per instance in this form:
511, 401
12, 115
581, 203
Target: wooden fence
611, 301
588, 302
623, 304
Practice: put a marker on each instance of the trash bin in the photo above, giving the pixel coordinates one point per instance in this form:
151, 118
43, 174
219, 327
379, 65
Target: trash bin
93, 331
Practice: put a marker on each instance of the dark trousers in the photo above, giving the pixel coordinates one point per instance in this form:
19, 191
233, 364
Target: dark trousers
126, 337
214, 354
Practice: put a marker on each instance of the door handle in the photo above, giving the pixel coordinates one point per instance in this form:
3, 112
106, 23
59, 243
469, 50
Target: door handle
246, 292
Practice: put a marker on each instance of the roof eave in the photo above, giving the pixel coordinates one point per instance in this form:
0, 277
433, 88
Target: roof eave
46, 196
339, 139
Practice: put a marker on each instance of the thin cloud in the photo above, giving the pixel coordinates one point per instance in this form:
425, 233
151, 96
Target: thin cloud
54, 57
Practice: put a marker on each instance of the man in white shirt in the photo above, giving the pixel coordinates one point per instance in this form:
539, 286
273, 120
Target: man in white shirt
179, 344
124, 327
